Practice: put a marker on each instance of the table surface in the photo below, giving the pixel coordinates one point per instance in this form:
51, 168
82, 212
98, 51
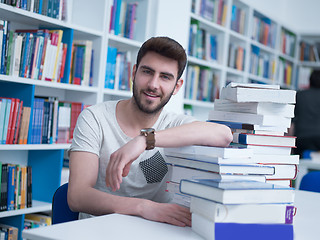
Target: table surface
116, 226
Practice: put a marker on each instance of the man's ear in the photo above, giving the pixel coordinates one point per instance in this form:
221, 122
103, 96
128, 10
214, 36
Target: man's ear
134, 69
178, 86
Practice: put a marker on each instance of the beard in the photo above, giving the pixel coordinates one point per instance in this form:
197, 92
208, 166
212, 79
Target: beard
147, 108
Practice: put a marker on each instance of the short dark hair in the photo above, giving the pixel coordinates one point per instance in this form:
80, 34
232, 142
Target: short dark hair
166, 47
315, 79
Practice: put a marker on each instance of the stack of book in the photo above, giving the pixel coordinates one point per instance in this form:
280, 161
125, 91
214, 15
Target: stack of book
230, 191
259, 116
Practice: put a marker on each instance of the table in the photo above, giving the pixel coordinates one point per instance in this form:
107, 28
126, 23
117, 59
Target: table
116, 226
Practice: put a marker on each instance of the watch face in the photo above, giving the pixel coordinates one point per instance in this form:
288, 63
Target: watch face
147, 130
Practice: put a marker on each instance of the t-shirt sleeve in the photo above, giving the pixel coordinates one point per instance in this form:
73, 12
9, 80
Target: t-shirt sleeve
87, 133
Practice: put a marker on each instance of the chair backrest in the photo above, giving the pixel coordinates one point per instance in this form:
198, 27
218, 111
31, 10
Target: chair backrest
311, 182
60, 208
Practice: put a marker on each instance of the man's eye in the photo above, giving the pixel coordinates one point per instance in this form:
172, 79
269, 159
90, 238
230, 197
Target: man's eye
147, 71
165, 77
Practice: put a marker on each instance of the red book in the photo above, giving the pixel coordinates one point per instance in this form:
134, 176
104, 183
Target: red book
14, 120
12, 108
17, 127
76, 108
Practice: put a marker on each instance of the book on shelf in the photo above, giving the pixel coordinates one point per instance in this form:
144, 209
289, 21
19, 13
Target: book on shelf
212, 230
41, 218
265, 140
243, 213
11, 232
237, 192
263, 108
246, 94
177, 173
222, 168
87, 44
194, 150
4, 186
250, 118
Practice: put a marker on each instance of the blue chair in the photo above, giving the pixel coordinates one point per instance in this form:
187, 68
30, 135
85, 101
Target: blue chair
60, 209
311, 182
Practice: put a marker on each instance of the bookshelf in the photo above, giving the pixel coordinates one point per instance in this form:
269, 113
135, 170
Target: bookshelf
308, 58
77, 25
251, 47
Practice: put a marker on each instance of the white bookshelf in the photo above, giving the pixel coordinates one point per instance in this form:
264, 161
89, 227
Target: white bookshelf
228, 35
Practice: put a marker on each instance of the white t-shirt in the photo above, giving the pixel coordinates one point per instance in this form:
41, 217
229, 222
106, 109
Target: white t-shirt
97, 131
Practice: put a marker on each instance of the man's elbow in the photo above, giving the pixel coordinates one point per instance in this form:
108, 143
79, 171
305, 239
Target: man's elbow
73, 201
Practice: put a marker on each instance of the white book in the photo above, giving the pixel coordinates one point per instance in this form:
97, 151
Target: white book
194, 150
213, 159
276, 158
283, 171
281, 182
250, 118
268, 150
253, 85
223, 168
237, 192
177, 173
246, 94
242, 213
263, 108
15, 66
255, 127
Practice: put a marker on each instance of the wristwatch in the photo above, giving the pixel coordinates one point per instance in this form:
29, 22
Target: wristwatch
150, 139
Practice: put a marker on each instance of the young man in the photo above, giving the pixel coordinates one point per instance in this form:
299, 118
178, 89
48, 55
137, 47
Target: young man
116, 158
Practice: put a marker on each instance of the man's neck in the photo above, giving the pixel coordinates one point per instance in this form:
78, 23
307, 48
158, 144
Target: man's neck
131, 119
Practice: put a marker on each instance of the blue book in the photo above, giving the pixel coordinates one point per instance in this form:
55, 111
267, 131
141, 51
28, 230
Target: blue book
10, 189
4, 44
2, 116
6, 121
237, 192
211, 230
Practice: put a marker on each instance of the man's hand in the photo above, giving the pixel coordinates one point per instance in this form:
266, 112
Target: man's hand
166, 212
121, 160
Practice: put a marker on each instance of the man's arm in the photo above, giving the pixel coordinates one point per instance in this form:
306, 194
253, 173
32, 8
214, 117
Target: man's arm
83, 197
195, 133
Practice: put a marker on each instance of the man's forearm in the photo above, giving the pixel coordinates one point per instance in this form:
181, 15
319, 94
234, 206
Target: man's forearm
195, 133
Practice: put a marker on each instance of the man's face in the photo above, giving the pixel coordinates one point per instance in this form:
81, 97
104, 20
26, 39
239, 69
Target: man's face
154, 82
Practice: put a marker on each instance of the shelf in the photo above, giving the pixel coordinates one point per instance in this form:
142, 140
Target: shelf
117, 93
207, 22
37, 206
11, 147
48, 84
310, 64
122, 42
204, 63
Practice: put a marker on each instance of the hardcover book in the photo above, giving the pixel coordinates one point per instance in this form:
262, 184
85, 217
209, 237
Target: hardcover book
247, 94
237, 192
222, 168
211, 230
265, 140
195, 150
177, 173
243, 213
267, 108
